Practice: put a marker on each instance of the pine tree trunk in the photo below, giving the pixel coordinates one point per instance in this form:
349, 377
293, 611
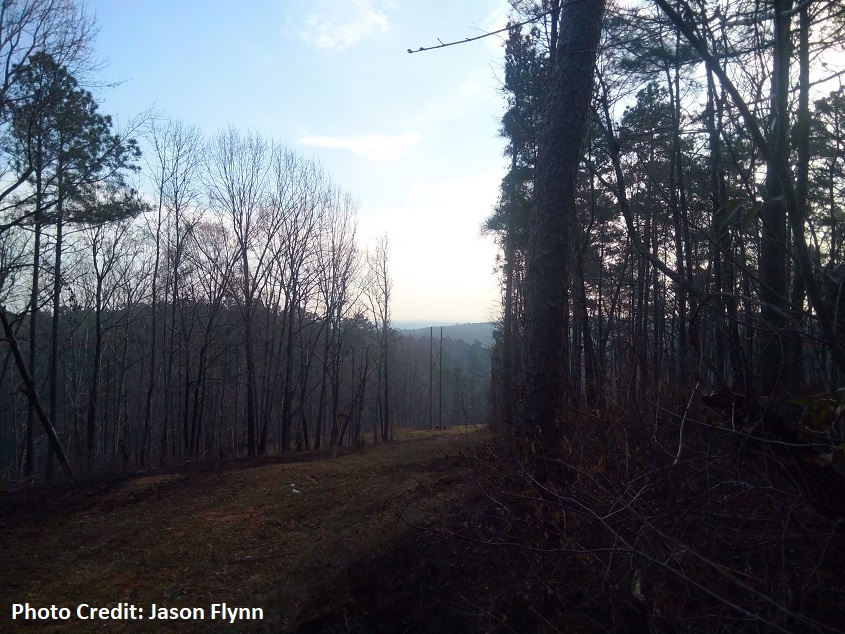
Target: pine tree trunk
559, 155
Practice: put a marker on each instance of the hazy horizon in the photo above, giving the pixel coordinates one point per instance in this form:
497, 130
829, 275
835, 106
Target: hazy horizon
413, 324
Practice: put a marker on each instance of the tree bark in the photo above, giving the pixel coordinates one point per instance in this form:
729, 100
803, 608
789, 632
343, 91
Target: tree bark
773, 277
559, 155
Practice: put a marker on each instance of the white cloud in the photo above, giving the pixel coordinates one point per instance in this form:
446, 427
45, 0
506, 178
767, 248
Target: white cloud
377, 147
333, 25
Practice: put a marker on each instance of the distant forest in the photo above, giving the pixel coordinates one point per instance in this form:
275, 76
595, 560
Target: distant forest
206, 299
470, 333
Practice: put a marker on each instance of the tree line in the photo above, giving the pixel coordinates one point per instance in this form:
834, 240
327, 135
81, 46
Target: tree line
670, 356
700, 243
207, 299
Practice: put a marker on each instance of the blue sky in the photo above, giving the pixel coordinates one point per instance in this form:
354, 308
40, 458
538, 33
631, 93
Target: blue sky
413, 137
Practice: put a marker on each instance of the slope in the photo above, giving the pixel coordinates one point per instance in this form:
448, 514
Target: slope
239, 535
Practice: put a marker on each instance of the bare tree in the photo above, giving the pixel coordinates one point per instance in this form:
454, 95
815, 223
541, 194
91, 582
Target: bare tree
377, 288
107, 249
237, 182
299, 198
175, 164
214, 255
337, 263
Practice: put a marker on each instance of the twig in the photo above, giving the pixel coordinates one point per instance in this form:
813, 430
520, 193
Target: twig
479, 37
684, 420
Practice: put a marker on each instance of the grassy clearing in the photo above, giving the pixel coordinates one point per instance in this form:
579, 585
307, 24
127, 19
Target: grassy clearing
237, 535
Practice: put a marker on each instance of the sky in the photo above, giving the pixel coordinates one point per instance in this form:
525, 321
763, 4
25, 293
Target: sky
413, 137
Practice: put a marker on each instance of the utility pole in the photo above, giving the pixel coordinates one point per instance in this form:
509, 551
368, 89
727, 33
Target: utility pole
440, 387
431, 378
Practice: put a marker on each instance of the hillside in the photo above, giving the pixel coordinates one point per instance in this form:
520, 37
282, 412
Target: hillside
239, 536
470, 333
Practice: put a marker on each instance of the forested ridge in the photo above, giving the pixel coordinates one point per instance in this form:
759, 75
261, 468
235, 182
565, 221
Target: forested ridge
666, 378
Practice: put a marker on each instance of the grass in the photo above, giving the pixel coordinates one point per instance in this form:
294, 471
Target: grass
237, 535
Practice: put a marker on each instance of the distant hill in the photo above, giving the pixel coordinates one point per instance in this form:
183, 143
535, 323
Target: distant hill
470, 333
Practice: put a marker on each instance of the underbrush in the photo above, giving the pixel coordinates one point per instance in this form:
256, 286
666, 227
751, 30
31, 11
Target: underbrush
691, 522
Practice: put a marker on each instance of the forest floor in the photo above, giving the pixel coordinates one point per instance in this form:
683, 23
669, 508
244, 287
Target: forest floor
349, 552
443, 531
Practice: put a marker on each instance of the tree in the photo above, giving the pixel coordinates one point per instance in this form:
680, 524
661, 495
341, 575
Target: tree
337, 266
781, 208
378, 291
55, 29
174, 169
558, 158
525, 85
298, 198
68, 148
107, 248
214, 256
238, 187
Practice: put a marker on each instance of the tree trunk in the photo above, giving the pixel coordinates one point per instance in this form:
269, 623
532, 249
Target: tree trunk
773, 279
54, 327
801, 134
32, 394
559, 155
328, 334
33, 338
289, 389
94, 388
145, 437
